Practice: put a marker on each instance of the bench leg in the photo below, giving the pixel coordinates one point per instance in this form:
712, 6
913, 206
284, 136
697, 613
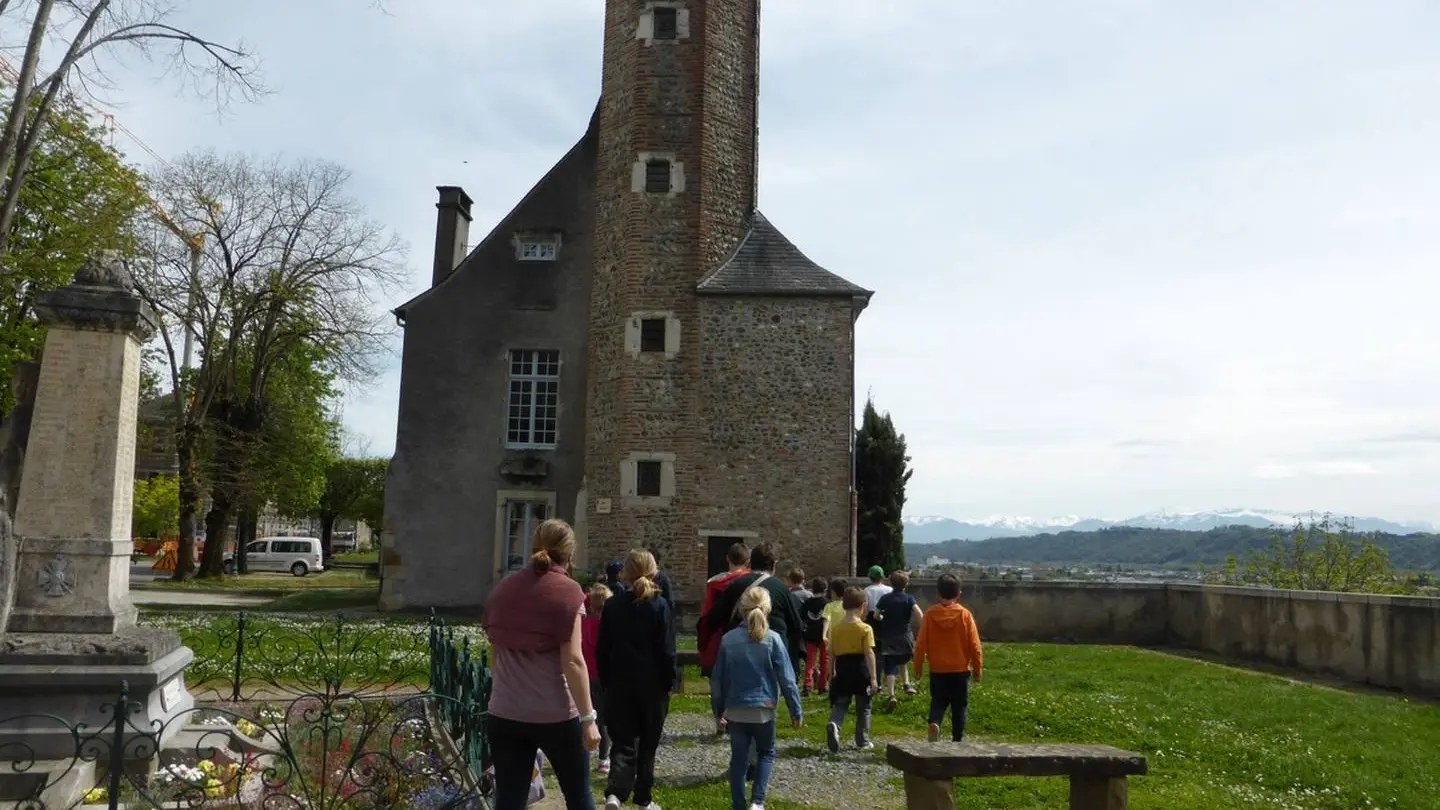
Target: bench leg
1098, 793
929, 794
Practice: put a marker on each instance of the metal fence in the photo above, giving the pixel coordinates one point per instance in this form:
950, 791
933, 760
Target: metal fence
331, 715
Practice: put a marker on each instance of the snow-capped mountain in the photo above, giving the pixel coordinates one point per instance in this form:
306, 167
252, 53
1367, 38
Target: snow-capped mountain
935, 529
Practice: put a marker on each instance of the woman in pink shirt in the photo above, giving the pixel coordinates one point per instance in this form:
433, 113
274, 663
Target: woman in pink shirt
590, 633
540, 688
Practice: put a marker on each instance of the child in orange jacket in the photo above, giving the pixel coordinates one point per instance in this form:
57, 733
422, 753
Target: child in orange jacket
950, 639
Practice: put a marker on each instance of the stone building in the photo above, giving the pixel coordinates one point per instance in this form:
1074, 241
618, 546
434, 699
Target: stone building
633, 348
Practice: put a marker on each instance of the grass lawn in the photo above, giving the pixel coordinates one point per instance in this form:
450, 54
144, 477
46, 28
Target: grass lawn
366, 556
364, 652
312, 600
1215, 736
271, 583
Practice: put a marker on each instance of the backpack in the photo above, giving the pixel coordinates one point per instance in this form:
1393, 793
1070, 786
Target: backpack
813, 612
712, 627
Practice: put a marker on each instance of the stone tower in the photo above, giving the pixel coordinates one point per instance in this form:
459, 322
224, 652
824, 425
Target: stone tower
674, 193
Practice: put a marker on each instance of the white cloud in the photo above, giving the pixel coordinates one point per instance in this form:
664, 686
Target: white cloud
1126, 254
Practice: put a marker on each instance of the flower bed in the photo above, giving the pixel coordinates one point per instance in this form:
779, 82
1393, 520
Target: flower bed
313, 752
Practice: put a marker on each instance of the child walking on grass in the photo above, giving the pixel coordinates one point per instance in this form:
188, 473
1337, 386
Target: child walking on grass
589, 633
852, 672
897, 612
951, 641
817, 662
751, 671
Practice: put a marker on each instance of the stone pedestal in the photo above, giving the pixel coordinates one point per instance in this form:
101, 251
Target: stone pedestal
77, 487
75, 677
71, 640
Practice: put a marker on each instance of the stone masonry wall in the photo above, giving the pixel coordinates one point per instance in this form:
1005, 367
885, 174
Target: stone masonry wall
650, 251
729, 151
1386, 641
776, 395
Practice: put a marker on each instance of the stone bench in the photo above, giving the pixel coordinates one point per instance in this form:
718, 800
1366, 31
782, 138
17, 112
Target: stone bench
1097, 772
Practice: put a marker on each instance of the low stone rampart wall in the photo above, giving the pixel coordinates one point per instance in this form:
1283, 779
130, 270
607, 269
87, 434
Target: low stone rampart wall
1386, 641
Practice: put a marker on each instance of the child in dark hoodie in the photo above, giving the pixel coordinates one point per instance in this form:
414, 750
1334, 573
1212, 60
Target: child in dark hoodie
950, 639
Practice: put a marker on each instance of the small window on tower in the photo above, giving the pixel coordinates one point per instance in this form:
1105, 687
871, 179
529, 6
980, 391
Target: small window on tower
652, 335
657, 177
647, 479
666, 23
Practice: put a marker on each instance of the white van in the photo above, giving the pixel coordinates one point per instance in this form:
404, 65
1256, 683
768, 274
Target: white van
298, 555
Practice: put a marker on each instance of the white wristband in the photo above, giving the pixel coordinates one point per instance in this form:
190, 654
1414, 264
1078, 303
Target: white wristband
589, 718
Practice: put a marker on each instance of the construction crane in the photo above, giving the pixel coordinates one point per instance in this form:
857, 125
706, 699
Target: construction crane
195, 241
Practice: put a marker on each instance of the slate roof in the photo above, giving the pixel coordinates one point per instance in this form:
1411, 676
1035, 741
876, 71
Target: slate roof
766, 263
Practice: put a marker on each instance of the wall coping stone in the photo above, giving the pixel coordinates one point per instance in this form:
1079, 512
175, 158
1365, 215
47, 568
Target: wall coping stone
1428, 602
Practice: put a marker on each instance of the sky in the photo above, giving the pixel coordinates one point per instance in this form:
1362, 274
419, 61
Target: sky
1127, 254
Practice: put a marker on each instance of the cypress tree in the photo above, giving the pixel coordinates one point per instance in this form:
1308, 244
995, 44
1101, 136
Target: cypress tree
881, 471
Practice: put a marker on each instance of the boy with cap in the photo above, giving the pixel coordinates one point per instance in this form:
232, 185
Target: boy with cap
876, 589
612, 577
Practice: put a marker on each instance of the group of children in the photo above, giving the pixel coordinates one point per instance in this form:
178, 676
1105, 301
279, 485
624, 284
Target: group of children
854, 637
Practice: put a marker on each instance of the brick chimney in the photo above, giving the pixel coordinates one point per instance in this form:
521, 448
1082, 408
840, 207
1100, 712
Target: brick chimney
452, 229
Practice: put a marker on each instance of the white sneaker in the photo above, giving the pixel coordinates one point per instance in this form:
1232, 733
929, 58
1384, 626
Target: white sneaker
651, 806
832, 738
612, 803
757, 807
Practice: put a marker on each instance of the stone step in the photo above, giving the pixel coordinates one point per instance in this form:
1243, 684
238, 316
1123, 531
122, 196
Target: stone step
55, 783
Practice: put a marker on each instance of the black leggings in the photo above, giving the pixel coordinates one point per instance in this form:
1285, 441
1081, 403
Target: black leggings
512, 748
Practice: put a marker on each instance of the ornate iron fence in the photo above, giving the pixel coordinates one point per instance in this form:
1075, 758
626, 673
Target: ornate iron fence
325, 716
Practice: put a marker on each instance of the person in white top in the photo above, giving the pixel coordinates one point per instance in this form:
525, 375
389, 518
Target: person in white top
877, 588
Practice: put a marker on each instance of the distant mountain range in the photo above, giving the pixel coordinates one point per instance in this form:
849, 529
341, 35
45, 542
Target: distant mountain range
932, 529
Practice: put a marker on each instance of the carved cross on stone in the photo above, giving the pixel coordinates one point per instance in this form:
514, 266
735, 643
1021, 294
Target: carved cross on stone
57, 577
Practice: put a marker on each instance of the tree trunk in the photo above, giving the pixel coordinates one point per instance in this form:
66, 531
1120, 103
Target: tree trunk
19, 111
244, 535
217, 520
327, 532
189, 505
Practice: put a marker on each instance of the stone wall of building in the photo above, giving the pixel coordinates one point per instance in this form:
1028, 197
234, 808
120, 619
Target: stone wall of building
776, 397
670, 100
1386, 641
451, 469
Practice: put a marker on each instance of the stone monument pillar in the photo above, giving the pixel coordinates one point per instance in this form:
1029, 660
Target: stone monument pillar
71, 637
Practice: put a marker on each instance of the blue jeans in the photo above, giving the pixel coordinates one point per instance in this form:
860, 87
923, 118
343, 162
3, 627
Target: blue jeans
742, 736
512, 748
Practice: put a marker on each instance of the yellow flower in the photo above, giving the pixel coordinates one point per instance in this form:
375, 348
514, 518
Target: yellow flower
96, 795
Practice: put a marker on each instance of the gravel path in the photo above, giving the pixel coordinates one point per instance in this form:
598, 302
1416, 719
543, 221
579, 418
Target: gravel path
691, 754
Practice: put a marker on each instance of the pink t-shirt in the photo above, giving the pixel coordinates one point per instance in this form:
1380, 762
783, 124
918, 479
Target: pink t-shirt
530, 687
589, 634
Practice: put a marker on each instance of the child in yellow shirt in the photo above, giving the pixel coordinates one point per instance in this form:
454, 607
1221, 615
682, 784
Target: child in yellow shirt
852, 672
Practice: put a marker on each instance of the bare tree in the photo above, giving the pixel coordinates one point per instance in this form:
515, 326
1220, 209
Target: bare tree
290, 266
87, 31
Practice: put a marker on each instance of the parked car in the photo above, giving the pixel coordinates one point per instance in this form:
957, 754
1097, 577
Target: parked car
298, 555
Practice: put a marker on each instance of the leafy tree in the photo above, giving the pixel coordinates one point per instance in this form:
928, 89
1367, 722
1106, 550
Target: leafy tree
84, 31
881, 471
290, 267
80, 197
157, 507
280, 457
354, 489
1323, 555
